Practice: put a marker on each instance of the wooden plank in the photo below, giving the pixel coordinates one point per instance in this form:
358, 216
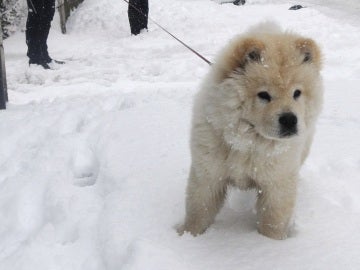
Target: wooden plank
65, 8
3, 85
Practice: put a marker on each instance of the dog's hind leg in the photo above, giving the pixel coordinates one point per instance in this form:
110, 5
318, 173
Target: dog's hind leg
204, 199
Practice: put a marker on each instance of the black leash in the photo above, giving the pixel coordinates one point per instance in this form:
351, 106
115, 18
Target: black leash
166, 31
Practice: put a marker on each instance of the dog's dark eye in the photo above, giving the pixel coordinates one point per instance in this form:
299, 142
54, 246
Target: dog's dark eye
297, 94
264, 96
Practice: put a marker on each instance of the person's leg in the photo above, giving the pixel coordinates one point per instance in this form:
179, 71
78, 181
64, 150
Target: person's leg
137, 12
145, 11
133, 15
33, 31
46, 18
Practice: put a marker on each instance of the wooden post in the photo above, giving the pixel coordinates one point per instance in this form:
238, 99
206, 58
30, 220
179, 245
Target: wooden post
65, 7
61, 9
3, 84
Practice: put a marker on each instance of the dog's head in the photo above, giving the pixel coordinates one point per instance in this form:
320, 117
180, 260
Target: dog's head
269, 82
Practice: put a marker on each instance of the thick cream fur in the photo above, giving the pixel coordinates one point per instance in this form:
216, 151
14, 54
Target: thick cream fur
235, 135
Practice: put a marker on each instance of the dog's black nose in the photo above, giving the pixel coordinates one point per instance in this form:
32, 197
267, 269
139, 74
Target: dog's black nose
288, 120
288, 124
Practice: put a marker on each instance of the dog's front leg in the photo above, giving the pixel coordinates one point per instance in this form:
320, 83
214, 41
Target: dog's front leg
275, 206
204, 199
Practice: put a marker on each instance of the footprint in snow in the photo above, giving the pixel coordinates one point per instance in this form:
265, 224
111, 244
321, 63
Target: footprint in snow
85, 167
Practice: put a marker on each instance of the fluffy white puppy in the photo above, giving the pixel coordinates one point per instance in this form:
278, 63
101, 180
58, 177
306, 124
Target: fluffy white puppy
253, 124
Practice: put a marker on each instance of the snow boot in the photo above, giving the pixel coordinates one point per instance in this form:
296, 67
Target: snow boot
239, 2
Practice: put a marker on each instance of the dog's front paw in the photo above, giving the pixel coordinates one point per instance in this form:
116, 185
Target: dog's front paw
277, 232
193, 229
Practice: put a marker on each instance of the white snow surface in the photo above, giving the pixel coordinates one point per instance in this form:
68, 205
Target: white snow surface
94, 154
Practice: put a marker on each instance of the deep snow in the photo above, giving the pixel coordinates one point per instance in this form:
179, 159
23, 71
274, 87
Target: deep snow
94, 155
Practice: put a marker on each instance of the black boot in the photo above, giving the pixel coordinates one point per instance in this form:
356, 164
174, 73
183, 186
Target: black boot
239, 2
43, 64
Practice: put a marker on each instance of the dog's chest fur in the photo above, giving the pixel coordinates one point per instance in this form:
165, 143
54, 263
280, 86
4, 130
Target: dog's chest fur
260, 161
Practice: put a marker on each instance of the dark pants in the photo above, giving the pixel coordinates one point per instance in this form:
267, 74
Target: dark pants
138, 15
40, 15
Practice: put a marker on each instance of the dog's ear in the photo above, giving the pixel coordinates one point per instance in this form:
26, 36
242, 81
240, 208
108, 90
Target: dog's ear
240, 54
249, 51
309, 51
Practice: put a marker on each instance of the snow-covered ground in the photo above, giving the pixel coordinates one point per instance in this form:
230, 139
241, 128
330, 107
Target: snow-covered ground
94, 155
